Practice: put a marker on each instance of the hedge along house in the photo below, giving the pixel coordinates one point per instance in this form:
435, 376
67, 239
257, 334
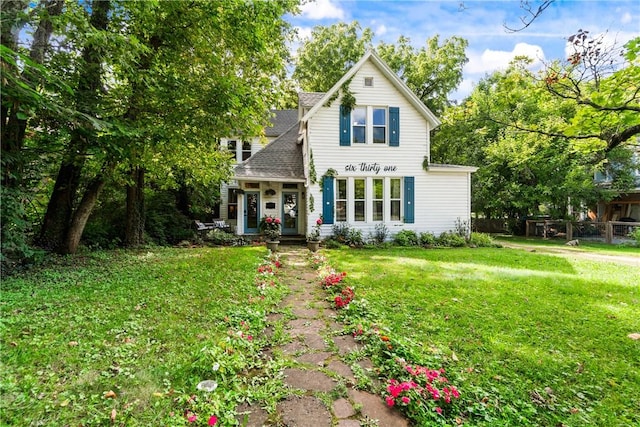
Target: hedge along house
358, 155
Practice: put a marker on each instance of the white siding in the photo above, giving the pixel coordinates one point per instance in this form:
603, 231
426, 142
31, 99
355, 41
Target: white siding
440, 197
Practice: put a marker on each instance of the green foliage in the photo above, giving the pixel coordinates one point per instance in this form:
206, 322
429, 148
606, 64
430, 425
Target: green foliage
380, 234
482, 240
527, 365
451, 239
164, 224
635, 234
346, 235
406, 238
172, 318
427, 239
330, 51
432, 72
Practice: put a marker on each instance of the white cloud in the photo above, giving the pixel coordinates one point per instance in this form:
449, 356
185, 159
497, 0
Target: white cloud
322, 9
304, 32
380, 30
626, 18
491, 60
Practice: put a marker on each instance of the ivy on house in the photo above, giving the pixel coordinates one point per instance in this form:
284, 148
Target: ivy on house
312, 202
313, 177
425, 164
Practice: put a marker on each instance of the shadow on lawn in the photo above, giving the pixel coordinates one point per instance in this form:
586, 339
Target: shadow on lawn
488, 257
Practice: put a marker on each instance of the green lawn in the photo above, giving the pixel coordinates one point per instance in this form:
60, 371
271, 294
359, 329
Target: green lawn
129, 335
530, 338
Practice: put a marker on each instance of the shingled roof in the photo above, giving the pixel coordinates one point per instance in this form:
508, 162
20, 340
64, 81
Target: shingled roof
281, 159
309, 99
281, 122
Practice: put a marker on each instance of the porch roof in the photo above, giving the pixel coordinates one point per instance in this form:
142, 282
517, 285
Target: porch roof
280, 160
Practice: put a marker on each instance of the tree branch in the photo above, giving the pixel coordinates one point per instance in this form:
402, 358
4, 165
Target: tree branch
532, 15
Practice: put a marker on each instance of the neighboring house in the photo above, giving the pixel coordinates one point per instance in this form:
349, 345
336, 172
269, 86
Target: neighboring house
625, 206
362, 166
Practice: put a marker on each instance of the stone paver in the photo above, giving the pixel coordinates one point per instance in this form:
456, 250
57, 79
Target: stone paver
308, 380
305, 411
312, 327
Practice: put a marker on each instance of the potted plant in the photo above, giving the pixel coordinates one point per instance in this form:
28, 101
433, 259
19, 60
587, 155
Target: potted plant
313, 238
270, 228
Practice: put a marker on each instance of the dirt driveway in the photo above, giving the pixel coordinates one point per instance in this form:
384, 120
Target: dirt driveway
573, 252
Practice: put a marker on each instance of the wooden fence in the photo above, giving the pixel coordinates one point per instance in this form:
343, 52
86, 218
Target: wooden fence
609, 232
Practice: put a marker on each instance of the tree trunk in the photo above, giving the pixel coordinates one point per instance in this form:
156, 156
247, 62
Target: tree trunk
134, 230
60, 208
82, 213
59, 214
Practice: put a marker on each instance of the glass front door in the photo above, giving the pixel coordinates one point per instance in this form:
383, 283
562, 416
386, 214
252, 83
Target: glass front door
289, 213
251, 211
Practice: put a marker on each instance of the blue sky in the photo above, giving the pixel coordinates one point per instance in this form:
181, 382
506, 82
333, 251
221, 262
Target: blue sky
491, 47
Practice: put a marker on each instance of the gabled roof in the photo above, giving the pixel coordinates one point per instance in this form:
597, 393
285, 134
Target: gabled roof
280, 160
281, 122
390, 75
309, 99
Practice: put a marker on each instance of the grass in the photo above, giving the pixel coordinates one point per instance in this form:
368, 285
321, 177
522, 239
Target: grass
124, 337
585, 245
528, 338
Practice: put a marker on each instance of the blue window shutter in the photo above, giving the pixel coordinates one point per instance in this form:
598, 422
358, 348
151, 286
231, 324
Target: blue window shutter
409, 198
327, 200
345, 126
394, 126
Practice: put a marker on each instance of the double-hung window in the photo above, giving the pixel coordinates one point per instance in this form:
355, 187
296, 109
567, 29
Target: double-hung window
359, 119
379, 125
341, 200
246, 150
232, 146
359, 199
369, 125
395, 198
378, 199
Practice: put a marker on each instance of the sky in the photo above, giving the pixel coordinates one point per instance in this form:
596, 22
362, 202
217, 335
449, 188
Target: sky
482, 24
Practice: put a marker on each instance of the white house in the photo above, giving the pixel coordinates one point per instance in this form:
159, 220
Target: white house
363, 163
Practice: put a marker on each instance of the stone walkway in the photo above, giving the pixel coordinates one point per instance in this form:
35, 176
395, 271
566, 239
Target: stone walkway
319, 351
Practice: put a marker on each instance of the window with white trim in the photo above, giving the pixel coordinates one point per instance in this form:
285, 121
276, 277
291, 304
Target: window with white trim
369, 125
246, 150
378, 199
341, 200
395, 198
359, 199
232, 146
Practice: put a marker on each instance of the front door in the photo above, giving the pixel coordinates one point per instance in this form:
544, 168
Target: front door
251, 212
289, 213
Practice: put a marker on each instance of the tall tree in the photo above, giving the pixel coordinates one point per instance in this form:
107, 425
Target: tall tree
327, 55
432, 72
520, 173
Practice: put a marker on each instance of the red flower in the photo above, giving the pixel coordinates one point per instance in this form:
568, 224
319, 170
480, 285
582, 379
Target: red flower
319, 221
212, 420
277, 220
439, 410
268, 220
390, 401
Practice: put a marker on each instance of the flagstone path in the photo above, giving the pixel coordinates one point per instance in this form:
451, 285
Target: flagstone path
318, 350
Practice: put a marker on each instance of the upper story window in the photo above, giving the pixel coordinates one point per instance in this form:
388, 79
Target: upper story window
246, 150
232, 146
370, 125
238, 151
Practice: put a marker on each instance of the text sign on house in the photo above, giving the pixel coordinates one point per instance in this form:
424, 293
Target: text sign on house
370, 167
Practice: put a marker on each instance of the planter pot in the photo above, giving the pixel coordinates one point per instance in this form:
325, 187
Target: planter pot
272, 245
313, 245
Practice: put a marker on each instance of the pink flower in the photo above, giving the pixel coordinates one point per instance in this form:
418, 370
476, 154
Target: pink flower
405, 400
390, 401
212, 420
268, 220
439, 410
277, 221
192, 417
319, 221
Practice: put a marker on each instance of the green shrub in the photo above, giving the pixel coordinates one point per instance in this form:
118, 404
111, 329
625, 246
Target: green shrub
481, 240
219, 237
380, 234
635, 234
164, 224
347, 235
427, 239
406, 238
332, 243
451, 239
